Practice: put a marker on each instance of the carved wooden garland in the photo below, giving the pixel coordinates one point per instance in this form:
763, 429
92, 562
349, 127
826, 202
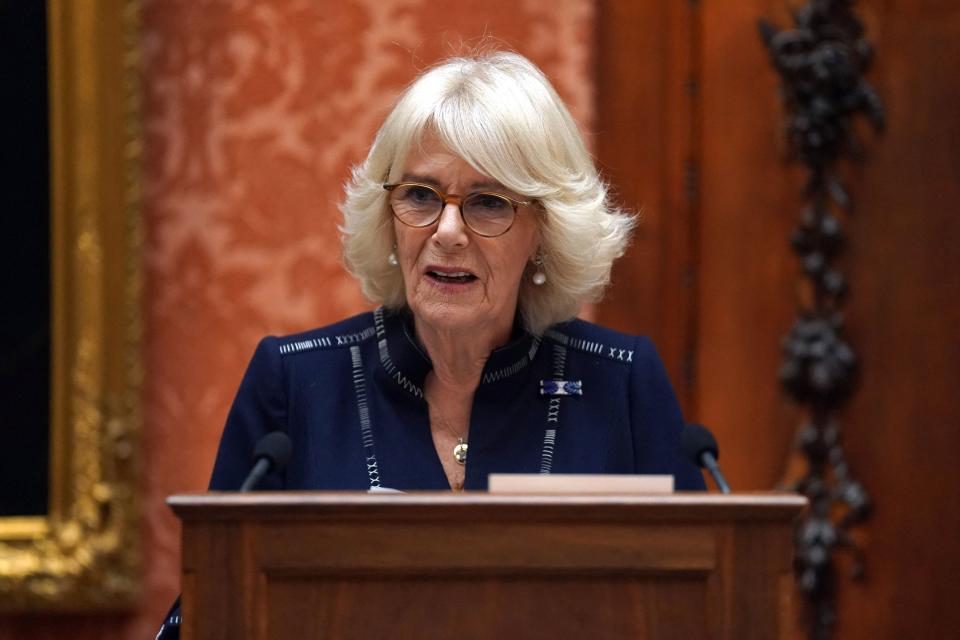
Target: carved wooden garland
821, 62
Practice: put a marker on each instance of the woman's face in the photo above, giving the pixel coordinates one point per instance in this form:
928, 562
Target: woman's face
454, 278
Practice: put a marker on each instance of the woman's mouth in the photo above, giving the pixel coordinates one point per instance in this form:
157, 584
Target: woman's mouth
450, 277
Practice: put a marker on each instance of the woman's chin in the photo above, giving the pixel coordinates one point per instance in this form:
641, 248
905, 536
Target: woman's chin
448, 315
457, 315
469, 308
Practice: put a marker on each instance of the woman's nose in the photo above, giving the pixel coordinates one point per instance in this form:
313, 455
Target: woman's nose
451, 231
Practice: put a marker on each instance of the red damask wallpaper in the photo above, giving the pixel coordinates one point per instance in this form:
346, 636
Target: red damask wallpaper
253, 113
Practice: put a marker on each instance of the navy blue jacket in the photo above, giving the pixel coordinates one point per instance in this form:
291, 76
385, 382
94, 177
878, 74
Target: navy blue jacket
350, 396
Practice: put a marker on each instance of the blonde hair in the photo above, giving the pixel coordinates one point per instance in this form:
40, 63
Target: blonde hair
502, 116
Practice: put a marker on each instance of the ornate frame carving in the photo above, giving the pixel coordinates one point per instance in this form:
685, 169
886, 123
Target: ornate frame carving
84, 554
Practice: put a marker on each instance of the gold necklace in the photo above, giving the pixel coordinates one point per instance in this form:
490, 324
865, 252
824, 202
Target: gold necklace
459, 449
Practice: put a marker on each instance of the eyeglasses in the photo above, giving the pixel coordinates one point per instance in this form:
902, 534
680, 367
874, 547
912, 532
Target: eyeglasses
420, 205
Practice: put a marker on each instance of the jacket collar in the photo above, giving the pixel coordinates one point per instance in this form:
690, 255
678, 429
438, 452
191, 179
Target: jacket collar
405, 360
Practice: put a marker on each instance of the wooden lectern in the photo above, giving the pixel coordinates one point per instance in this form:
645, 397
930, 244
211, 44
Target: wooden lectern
329, 565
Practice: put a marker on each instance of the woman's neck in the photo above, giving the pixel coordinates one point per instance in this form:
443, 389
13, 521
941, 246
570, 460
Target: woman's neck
459, 356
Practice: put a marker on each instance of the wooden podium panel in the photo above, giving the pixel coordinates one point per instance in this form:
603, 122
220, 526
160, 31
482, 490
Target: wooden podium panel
326, 565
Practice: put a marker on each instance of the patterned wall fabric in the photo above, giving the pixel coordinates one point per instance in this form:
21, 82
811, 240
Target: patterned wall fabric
254, 112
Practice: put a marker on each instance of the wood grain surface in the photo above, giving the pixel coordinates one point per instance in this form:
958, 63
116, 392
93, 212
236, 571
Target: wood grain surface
317, 565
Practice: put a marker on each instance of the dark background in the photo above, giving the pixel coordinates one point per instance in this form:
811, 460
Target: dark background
25, 262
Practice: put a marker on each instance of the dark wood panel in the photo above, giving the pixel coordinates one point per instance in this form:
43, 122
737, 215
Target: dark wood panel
690, 128
645, 147
903, 427
484, 608
747, 272
903, 265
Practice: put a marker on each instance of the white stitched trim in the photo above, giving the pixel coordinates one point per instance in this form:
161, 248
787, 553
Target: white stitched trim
546, 458
553, 411
588, 346
516, 367
366, 433
327, 341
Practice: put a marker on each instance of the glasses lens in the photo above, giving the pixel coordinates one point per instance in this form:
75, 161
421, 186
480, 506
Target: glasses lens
488, 214
416, 205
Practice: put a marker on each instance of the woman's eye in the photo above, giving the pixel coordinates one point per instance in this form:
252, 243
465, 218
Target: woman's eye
421, 194
489, 202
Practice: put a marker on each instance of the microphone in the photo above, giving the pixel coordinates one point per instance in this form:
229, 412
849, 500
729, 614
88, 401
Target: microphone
271, 454
700, 446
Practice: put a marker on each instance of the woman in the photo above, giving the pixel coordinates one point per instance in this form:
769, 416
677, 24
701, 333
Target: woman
479, 223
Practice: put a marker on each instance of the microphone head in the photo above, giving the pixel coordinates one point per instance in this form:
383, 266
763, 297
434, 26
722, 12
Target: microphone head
696, 440
276, 448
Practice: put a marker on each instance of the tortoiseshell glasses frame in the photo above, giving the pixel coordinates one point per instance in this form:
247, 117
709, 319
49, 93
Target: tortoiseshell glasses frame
419, 205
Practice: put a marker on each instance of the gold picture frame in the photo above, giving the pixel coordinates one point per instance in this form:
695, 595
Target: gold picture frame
83, 555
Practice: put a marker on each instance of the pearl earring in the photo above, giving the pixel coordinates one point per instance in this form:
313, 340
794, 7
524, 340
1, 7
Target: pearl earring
392, 258
539, 277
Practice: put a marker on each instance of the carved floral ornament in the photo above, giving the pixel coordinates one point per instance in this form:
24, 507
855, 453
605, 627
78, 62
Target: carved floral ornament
84, 553
822, 62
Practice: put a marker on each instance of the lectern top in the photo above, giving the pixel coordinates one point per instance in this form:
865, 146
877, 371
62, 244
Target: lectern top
673, 507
